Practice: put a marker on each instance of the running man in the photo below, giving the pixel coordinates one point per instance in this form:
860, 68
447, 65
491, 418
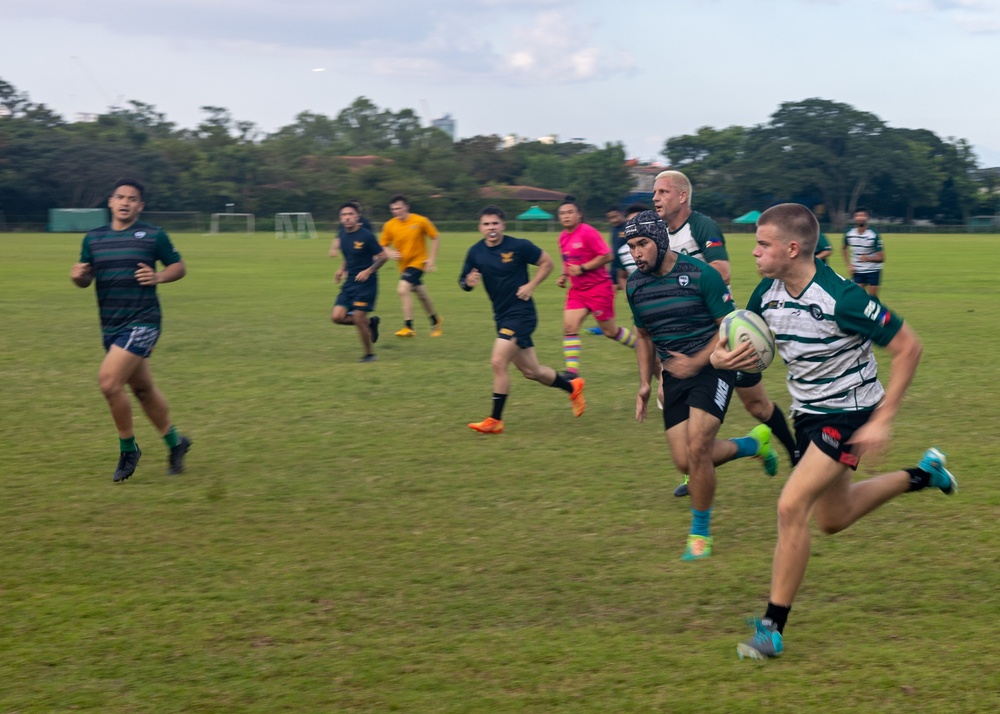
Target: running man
405, 237
824, 327
585, 255
363, 256
678, 302
500, 262
864, 253
121, 257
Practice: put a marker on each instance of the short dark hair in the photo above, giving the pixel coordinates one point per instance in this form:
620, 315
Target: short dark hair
356, 203
862, 209
571, 201
493, 210
348, 204
130, 182
611, 209
794, 222
396, 198
636, 208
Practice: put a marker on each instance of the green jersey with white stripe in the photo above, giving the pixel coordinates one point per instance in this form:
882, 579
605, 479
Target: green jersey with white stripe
825, 337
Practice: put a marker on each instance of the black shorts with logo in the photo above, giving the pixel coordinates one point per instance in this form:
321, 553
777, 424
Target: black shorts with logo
830, 432
710, 390
517, 328
414, 276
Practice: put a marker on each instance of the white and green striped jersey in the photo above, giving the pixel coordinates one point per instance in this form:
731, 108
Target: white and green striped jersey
825, 338
860, 244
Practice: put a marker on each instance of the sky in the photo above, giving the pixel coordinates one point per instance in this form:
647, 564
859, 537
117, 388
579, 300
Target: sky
636, 73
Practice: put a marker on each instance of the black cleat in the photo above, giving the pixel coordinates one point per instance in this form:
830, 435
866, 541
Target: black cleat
177, 457
126, 464
368, 358
682, 490
373, 327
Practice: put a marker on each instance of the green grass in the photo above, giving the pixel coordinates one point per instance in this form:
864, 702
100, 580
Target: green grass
341, 542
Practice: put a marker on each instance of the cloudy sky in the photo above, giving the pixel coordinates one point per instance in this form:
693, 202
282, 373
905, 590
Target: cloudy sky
637, 72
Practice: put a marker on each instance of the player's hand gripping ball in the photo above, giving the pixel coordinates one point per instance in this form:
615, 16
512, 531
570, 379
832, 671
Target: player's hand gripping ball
742, 326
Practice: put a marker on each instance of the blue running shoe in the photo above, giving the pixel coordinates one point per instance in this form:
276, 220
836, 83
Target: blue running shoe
762, 435
933, 463
765, 643
594, 330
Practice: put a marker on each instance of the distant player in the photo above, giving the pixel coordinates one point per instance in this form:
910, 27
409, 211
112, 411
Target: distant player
825, 327
694, 233
584, 255
678, 302
864, 253
405, 237
121, 258
500, 262
363, 256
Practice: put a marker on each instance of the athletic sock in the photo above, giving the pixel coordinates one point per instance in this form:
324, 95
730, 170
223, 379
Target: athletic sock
626, 336
779, 428
499, 400
409, 323
745, 446
562, 383
434, 320
700, 521
919, 479
571, 351
171, 438
778, 615
126, 444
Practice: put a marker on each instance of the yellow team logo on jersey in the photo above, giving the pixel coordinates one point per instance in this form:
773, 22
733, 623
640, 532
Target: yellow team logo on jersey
358, 245
507, 257
507, 331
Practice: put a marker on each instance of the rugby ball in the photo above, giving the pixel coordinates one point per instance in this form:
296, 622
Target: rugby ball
742, 326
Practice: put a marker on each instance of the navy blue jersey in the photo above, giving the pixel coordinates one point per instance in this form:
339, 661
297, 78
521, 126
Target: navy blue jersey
617, 241
114, 256
504, 268
359, 248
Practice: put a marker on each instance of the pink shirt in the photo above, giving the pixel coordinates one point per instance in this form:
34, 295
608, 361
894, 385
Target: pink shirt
581, 246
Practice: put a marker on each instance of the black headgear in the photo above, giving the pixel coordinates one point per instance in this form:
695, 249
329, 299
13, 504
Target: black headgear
649, 225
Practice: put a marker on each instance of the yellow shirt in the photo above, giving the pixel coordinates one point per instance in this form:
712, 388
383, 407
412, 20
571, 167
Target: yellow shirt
410, 238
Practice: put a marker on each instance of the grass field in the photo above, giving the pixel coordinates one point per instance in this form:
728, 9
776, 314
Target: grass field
341, 542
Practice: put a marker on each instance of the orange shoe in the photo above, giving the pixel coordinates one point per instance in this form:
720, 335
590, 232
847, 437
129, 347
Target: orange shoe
489, 425
436, 331
406, 332
576, 396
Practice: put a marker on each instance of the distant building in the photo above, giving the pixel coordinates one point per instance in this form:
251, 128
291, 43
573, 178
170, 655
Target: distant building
445, 124
5, 111
85, 117
643, 175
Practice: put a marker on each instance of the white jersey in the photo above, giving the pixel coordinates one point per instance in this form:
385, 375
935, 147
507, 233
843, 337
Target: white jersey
825, 337
860, 244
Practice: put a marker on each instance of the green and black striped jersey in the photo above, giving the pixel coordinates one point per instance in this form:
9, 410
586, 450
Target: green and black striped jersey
114, 256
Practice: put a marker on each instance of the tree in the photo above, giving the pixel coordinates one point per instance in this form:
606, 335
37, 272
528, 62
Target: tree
709, 159
815, 144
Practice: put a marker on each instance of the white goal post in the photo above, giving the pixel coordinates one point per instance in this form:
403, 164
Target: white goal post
294, 225
215, 221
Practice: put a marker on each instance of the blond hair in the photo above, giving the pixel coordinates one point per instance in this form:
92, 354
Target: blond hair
679, 181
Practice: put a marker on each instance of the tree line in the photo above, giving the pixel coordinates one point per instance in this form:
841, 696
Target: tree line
816, 152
